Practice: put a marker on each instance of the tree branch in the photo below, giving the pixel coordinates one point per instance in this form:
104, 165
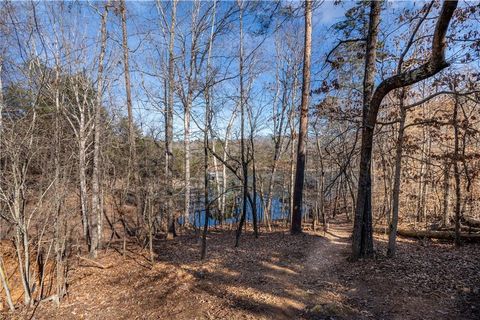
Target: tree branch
435, 64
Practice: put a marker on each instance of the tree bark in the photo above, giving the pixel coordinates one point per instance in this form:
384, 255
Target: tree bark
187, 111
303, 130
362, 244
132, 163
169, 127
242, 131
206, 130
97, 213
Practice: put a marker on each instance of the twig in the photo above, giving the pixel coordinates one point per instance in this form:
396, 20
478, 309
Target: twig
98, 264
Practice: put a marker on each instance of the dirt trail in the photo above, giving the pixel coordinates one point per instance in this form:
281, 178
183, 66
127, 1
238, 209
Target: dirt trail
277, 276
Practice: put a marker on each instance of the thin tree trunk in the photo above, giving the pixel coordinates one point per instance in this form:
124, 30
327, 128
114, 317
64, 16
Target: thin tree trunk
397, 178
293, 135
446, 193
83, 180
421, 182
187, 111
321, 184
58, 234
217, 184
254, 189
291, 183
268, 207
456, 171
132, 161
6, 288
224, 159
206, 188
169, 127
186, 148
242, 130
206, 130
96, 209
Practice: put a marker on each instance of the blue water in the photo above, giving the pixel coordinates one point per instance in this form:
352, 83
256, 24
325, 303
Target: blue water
198, 218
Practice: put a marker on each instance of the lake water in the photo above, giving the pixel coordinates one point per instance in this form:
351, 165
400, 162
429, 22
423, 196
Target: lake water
198, 219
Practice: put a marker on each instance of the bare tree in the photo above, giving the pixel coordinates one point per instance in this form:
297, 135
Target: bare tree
206, 131
169, 126
97, 212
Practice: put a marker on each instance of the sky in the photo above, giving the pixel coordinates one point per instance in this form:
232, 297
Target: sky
147, 45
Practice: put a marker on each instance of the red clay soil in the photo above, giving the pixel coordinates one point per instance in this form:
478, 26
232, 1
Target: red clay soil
277, 276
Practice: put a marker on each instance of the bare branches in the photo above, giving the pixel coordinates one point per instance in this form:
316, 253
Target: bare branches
434, 65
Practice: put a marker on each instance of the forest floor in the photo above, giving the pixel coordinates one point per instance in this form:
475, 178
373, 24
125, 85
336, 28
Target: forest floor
277, 276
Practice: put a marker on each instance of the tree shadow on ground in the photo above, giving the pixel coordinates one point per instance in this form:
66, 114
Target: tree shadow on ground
269, 277
277, 276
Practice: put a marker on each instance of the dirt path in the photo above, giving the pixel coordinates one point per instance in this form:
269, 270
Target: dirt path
427, 280
278, 276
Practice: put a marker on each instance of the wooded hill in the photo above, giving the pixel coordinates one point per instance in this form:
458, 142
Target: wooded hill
135, 126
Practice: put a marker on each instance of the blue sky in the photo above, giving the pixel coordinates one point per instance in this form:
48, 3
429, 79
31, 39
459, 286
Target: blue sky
148, 51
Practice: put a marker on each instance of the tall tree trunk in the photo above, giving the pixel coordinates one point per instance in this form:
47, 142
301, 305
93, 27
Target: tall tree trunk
206, 130
132, 161
59, 231
362, 244
303, 130
187, 110
243, 151
186, 149
96, 208
169, 127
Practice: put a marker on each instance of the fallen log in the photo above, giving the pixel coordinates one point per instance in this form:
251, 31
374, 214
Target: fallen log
442, 235
471, 222
463, 228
